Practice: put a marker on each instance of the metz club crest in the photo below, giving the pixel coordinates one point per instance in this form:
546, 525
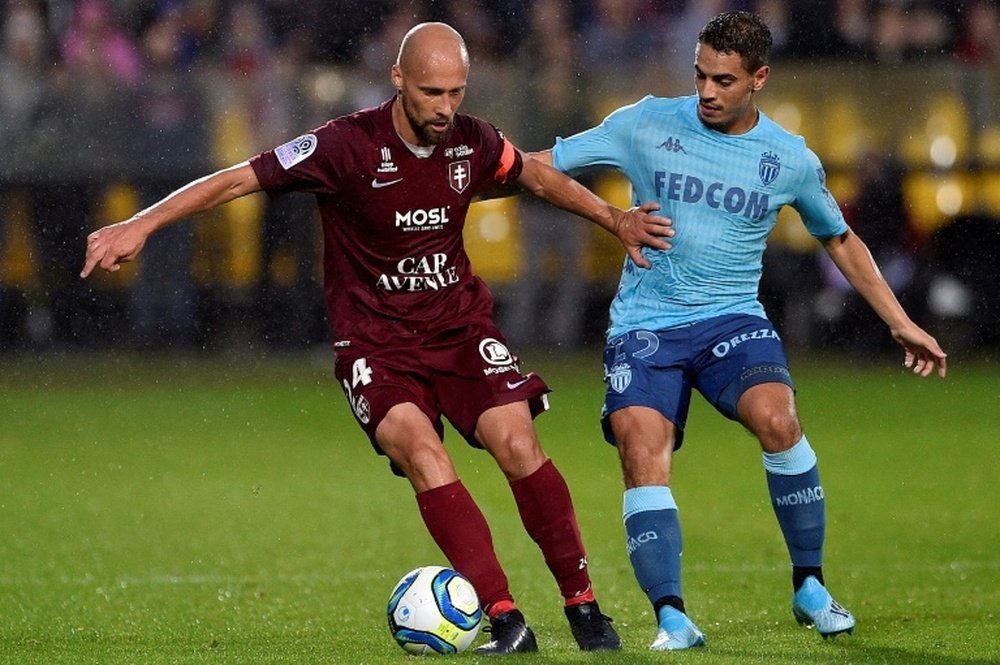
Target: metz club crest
768, 168
459, 174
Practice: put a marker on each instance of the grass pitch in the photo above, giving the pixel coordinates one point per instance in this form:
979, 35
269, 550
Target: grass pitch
230, 511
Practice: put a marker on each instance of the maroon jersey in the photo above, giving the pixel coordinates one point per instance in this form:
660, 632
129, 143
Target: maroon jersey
395, 267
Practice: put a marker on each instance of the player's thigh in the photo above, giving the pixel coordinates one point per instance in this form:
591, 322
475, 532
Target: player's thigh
737, 353
474, 372
645, 445
408, 438
646, 369
508, 433
375, 382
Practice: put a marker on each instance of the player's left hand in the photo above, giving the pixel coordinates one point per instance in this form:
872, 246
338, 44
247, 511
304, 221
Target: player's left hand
637, 228
923, 353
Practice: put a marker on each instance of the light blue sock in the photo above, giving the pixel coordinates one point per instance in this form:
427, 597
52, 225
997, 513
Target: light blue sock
797, 498
653, 540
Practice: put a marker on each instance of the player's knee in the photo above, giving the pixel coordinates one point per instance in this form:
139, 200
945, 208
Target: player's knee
426, 465
645, 462
768, 411
777, 429
518, 456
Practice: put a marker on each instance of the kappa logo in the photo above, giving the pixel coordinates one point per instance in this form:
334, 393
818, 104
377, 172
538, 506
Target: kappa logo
459, 175
672, 145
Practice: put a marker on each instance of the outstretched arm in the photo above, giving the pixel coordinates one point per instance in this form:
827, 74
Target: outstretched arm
119, 243
851, 255
635, 228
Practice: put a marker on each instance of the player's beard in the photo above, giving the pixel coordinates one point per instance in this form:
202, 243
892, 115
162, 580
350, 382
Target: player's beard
423, 130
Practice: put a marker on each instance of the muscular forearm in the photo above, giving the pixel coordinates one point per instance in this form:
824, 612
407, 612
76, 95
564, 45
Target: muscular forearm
200, 195
560, 190
854, 260
113, 245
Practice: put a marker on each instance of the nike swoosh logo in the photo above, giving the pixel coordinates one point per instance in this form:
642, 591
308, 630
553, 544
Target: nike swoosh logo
518, 384
378, 183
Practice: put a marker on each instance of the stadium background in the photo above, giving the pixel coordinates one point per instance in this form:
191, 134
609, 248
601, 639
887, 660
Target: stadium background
223, 507
107, 106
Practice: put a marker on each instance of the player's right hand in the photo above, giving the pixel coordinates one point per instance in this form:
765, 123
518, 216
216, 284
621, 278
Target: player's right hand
113, 245
637, 228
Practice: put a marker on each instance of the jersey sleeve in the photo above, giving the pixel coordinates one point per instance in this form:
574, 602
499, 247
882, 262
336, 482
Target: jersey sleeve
497, 157
313, 162
814, 202
607, 144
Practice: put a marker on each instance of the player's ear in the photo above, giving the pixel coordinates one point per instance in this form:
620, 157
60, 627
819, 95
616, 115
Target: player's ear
396, 78
760, 77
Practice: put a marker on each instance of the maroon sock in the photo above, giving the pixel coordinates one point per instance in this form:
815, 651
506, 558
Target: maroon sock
547, 512
458, 527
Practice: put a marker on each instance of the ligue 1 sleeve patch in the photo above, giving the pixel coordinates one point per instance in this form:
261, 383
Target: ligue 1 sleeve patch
295, 151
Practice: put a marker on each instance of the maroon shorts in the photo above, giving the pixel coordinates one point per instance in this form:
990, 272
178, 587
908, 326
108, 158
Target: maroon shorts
458, 374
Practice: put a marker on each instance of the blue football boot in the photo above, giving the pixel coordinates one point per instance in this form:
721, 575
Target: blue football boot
813, 606
677, 631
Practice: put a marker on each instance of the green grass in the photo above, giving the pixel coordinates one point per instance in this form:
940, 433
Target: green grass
228, 510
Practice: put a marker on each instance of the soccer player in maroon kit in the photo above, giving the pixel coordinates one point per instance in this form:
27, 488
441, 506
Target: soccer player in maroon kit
413, 328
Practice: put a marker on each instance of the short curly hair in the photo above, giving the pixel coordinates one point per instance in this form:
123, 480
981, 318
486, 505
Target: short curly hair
742, 33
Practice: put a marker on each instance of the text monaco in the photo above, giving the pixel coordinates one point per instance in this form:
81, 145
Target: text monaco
689, 189
801, 498
633, 543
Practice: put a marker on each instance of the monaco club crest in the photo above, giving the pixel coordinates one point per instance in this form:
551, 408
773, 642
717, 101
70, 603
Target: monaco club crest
459, 174
619, 377
768, 168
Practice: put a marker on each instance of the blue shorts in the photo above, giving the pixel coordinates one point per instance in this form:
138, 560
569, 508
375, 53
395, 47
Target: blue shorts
720, 357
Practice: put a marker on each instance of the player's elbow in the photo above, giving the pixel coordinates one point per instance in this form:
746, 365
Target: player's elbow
543, 156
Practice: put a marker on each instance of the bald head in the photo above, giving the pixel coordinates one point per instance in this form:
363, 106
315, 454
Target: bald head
431, 45
429, 77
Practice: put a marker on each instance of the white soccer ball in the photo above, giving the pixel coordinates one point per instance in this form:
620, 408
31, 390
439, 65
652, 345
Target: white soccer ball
434, 610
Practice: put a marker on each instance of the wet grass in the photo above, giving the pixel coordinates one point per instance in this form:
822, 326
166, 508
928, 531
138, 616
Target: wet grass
228, 510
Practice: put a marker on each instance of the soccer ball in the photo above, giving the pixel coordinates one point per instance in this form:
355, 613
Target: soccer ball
434, 610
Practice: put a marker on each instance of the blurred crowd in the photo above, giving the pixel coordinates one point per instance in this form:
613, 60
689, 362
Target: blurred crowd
107, 105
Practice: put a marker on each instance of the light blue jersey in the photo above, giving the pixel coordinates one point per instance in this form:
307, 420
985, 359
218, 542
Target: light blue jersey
723, 193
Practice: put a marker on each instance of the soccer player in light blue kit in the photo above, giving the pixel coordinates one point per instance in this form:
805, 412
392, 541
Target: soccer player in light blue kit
721, 170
